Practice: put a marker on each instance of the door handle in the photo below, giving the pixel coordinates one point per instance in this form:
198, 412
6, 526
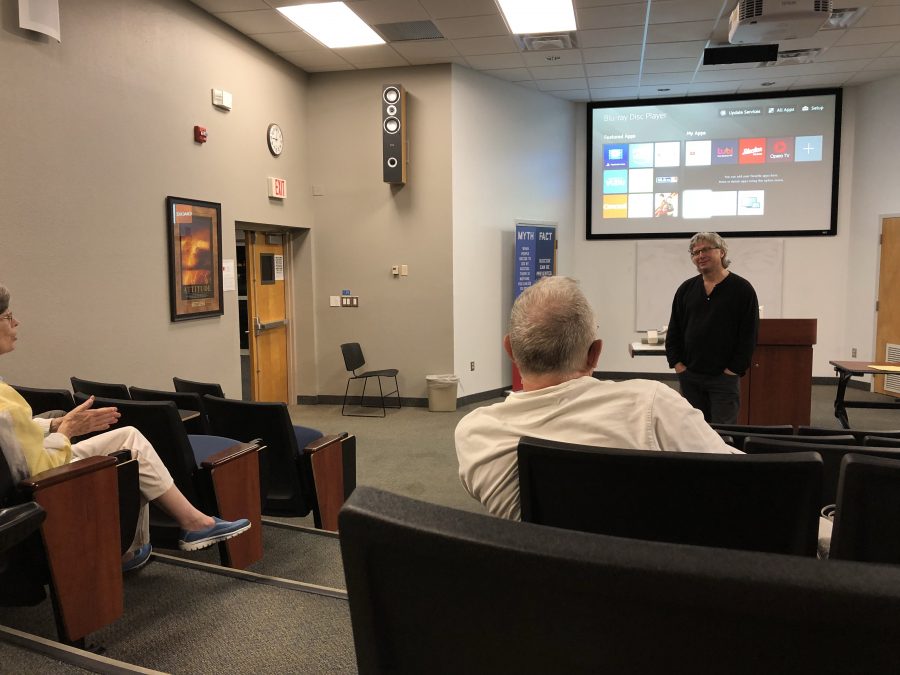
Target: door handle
263, 327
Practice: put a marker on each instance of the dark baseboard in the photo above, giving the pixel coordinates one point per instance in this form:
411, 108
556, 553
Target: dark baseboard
497, 393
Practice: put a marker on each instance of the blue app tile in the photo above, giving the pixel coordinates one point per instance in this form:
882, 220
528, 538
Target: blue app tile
808, 149
615, 156
615, 182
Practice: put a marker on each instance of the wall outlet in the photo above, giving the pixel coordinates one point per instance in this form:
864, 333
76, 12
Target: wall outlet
471, 365
853, 353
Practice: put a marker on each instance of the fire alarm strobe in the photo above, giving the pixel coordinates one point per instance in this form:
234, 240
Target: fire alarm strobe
200, 135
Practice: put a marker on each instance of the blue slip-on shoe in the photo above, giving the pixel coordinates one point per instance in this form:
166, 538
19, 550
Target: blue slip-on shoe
141, 557
218, 531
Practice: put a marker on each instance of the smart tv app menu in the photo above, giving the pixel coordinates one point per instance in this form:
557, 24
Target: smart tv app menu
752, 167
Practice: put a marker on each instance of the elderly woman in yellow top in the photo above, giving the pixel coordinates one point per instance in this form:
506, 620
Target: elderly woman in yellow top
32, 445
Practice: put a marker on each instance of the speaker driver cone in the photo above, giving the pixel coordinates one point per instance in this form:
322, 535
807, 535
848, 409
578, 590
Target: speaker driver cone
392, 125
391, 95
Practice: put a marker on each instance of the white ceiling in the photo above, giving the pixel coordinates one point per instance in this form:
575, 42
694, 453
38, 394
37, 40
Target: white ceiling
626, 48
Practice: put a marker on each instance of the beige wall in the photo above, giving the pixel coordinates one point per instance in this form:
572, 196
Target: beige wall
96, 131
363, 226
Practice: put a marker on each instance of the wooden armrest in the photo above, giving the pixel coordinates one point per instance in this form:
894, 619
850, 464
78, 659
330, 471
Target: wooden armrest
230, 454
66, 472
323, 442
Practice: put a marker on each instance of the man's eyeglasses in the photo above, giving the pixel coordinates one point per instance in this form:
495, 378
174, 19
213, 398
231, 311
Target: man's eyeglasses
705, 249
7, 317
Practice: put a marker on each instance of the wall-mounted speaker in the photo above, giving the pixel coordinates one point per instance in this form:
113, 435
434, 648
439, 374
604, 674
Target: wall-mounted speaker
393, 133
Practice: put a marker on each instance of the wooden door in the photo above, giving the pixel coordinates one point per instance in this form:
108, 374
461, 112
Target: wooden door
888, 322
267, 316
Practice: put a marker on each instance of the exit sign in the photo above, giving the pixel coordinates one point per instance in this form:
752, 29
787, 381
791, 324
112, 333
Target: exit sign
277, 188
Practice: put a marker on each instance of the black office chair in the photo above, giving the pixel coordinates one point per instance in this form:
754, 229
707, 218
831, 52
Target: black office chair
740, 432
300, 469
867, 518
217, 475
759, 503
100, 389
881, 441
353, 361
831, 454
433, 589
44, 400
201, 388
183, 400
859, 434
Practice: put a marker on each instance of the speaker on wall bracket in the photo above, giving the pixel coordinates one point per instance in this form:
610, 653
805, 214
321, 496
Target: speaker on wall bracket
393, 133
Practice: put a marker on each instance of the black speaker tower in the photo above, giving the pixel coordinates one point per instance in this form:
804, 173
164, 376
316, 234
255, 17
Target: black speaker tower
393, 133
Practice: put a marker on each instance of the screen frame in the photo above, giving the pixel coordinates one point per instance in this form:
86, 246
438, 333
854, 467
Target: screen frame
837, 92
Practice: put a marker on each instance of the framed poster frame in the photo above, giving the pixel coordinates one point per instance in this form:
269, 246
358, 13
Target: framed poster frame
195, 258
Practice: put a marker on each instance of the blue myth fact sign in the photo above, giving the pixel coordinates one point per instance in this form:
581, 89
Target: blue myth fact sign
535, 254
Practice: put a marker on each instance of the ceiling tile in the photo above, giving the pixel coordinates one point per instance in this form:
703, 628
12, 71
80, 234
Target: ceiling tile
610, 37
667, 78
675, 50
441, 9
510, 74
680, 32
577, 95
378, 11
757, 85
880, 16
893, 51
824, 38
495, 61
701, 88
614, 93
606, 3
472, 26
609, 17
670, 65
558, 85
607, 54
810, 81
885, 63
854, 52
557, 72
558, 57
294, 41
257, 21
213, 6
376, 56
418, 49
613, 81
861, 36
486, 45
317, 60
612, 68
675, 11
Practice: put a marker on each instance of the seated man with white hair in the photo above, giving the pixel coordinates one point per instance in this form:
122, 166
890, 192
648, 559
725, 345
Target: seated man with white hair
552, 341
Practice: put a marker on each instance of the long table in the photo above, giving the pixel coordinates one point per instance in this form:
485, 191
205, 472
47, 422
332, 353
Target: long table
847, 369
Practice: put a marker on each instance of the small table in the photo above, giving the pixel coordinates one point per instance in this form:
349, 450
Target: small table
644, 349
847, 369
188, 415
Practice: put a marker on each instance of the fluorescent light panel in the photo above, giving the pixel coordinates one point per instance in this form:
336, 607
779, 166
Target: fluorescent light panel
333, 24
538, 16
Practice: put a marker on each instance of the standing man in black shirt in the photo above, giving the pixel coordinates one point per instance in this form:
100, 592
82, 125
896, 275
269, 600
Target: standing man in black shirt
712, 331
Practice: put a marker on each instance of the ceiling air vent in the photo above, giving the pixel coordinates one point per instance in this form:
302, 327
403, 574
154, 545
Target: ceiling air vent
404, 31
790, 57
546, 42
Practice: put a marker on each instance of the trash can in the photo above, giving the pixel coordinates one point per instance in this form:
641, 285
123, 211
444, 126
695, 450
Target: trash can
442, 392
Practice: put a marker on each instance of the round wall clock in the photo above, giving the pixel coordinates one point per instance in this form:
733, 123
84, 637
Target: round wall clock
275, 139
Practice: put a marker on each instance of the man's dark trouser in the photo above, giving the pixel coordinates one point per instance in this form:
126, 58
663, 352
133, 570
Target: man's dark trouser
718, 397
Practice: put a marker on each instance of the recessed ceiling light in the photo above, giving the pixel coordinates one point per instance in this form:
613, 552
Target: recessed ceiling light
333, 24
538, 16
766, 84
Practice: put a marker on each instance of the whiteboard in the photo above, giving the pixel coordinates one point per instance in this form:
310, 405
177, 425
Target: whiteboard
663, 265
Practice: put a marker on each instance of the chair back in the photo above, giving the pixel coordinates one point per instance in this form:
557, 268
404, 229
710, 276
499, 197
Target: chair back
867, 518
44, 400
831, 454
101, 389
436, 589
740, 432
881, 441
761, 503
183, 400
160, 423
211, 388
859, 434
285, 479
353, 356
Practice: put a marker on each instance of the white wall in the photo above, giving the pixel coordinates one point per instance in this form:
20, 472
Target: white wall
513, 158
96, 131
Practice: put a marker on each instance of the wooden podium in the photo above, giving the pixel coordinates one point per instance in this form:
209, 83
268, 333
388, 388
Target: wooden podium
777, 388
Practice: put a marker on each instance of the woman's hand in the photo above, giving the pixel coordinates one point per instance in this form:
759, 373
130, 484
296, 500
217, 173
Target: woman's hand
85, 420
